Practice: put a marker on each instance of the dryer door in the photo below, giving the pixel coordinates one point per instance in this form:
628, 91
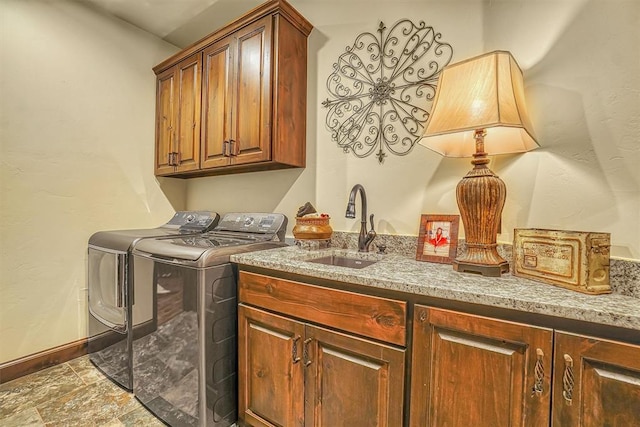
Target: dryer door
107, 275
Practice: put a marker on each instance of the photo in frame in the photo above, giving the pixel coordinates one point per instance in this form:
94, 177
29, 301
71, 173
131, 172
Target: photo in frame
438, 238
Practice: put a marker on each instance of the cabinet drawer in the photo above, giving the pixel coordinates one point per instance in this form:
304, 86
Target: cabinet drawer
374, 317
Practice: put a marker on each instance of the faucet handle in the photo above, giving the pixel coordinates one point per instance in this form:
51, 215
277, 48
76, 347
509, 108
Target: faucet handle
371, 234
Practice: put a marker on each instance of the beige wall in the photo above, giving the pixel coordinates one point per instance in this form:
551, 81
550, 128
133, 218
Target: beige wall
77, 111
582, 78
77, 99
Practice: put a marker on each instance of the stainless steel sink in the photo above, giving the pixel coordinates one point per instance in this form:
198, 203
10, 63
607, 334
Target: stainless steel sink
342, 261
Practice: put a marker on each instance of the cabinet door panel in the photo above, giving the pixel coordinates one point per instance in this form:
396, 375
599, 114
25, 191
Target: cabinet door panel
350, 381
474, 371
252, 109
165, 119
596, 383
188, 132
270, 371
216, 102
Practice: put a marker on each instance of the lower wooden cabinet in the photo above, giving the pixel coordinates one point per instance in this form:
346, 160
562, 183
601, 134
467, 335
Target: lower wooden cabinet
474, 371
270, 371
316, 356
311, 356
596, 382
296, 374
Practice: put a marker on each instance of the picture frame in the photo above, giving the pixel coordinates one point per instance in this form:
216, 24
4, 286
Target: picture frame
438, 238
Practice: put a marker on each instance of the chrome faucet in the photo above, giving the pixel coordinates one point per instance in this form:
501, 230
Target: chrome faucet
366, 237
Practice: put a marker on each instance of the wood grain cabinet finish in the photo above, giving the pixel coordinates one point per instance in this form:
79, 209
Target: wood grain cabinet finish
178, 94
374, 317
293, 372
475, 371
252, 97
270, 371
596, 382
350, 381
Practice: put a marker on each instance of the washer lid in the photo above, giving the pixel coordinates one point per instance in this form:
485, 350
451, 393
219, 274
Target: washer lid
182, 223
170, 249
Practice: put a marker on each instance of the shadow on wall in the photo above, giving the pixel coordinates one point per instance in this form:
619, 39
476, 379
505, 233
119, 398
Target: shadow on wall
219, 14
176, 191
247, 192
583, 95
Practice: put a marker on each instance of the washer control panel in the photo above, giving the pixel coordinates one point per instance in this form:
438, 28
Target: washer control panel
262, 223
200, 221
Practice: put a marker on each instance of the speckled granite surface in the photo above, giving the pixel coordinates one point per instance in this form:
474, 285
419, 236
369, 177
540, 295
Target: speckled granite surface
624, 275
403, 273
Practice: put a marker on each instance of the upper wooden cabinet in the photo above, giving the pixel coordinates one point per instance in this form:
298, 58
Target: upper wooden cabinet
246, 96
178, 117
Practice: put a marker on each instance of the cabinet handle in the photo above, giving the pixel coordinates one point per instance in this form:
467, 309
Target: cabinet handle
305, 352
173, 158
538, 372
233, 149
567, 380
294, 350
225, 145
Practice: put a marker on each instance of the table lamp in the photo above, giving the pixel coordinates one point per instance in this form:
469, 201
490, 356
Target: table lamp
479, 110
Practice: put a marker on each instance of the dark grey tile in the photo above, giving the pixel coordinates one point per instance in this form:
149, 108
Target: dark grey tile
140, 417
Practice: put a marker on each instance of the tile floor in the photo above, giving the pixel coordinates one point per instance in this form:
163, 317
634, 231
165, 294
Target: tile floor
74, 393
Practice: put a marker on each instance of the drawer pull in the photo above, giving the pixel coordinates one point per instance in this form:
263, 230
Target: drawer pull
305, 352
568, 380
294, 350
538, 373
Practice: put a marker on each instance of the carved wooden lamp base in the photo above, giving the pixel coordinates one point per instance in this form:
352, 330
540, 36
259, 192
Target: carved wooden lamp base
485, 270
481, 195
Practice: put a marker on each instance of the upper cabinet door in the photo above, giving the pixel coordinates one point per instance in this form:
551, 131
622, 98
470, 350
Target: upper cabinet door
217, 103
252, 93
475, 371
165, 122
596, 383
235, 101
189, 74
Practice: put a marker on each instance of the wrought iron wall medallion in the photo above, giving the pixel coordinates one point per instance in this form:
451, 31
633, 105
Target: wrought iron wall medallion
382, 87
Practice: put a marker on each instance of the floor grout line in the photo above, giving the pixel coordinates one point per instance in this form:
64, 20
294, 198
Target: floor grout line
130, 408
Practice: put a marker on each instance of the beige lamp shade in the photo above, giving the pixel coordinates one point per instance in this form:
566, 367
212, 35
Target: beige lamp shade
485, 92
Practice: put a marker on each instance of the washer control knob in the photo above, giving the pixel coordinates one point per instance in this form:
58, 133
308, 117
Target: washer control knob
190, 217
248, 221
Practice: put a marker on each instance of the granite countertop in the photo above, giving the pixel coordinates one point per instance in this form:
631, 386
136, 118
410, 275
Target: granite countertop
400, 273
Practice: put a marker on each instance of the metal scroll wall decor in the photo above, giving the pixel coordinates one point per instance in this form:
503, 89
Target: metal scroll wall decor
382, 87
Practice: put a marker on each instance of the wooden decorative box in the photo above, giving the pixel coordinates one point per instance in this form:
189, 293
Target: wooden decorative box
571, 259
